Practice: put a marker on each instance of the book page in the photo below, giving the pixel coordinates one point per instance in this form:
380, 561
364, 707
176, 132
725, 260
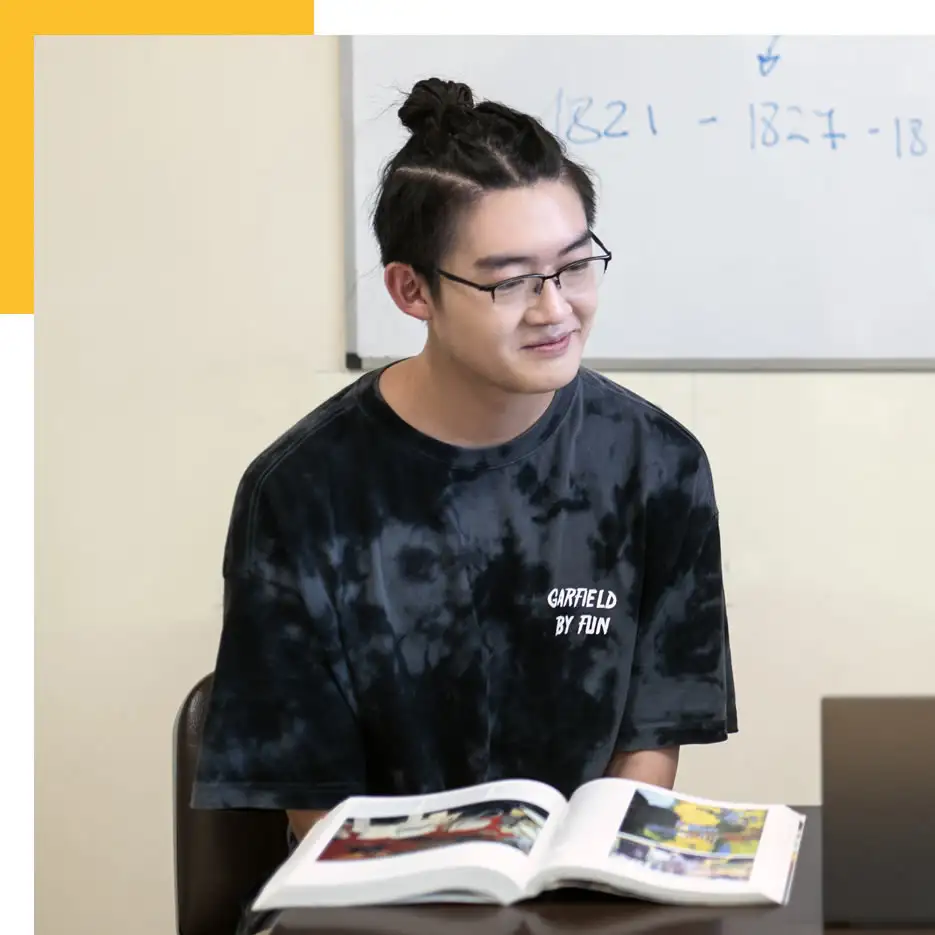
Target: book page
644, 834
495, 828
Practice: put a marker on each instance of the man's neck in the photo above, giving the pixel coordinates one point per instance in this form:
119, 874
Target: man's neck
452, 407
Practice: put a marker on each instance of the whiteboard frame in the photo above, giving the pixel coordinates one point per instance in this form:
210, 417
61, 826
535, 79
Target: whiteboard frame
354, 362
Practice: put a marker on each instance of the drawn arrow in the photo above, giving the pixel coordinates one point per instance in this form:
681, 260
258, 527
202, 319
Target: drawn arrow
770, 60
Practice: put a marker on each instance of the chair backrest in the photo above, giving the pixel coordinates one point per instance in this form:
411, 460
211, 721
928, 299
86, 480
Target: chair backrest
224, 856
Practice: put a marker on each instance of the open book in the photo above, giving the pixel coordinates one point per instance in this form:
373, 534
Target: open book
508, 841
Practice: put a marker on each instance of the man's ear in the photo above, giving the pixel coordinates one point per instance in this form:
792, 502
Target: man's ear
409, 291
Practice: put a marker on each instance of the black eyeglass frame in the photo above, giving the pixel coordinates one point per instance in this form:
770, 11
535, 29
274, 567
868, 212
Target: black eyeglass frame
607, 256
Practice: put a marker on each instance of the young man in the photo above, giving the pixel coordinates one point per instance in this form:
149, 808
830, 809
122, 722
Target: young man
484, 561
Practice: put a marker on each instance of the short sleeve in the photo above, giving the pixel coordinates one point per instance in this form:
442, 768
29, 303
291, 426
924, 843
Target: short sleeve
280, 730
682, 685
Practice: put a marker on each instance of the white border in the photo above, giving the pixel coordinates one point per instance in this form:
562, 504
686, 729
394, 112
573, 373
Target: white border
661, 17
16, 611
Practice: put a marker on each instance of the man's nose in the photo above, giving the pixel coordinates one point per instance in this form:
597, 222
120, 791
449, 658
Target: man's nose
550, 306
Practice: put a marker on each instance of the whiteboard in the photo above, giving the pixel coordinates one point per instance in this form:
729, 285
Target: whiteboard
769, 201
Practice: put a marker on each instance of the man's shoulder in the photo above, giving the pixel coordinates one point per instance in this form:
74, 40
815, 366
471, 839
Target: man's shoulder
311, 448
288, 488
618, 409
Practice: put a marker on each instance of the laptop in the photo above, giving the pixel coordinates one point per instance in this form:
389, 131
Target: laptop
878, 811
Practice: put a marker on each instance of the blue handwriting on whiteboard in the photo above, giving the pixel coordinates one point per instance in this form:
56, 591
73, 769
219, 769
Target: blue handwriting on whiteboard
914, 144
770, 60
585, 120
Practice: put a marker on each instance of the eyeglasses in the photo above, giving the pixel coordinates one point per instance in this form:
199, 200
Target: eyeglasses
578, 279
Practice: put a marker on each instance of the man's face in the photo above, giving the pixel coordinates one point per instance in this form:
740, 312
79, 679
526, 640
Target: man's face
518, 341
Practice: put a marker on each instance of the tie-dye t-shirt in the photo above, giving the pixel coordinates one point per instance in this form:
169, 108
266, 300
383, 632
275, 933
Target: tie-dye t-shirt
402, 616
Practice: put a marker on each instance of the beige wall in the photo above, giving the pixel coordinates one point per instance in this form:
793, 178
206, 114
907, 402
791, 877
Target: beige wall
189, 299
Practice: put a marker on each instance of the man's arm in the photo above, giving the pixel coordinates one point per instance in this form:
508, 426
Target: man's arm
302, 822
681, 682
280, 731
656, 767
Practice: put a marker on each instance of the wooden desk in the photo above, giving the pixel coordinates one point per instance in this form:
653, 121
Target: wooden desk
572, 912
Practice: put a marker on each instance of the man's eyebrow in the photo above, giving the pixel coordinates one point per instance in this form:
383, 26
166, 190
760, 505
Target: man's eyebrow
499, 260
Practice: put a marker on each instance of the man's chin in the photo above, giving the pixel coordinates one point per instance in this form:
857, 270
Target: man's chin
551, 377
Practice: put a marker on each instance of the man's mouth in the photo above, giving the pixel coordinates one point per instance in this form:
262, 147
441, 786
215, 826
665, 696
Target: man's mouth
550, 343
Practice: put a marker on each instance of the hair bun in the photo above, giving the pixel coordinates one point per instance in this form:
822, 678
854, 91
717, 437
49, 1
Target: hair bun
429, 99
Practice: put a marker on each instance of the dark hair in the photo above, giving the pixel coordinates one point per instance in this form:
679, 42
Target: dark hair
456, 153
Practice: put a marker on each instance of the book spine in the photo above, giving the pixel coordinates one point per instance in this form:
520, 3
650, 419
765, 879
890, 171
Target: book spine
793, 861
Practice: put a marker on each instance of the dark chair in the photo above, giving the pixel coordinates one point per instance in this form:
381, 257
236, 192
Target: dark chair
222, 857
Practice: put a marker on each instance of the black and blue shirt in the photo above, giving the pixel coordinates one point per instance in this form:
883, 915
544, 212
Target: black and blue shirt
402, 616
